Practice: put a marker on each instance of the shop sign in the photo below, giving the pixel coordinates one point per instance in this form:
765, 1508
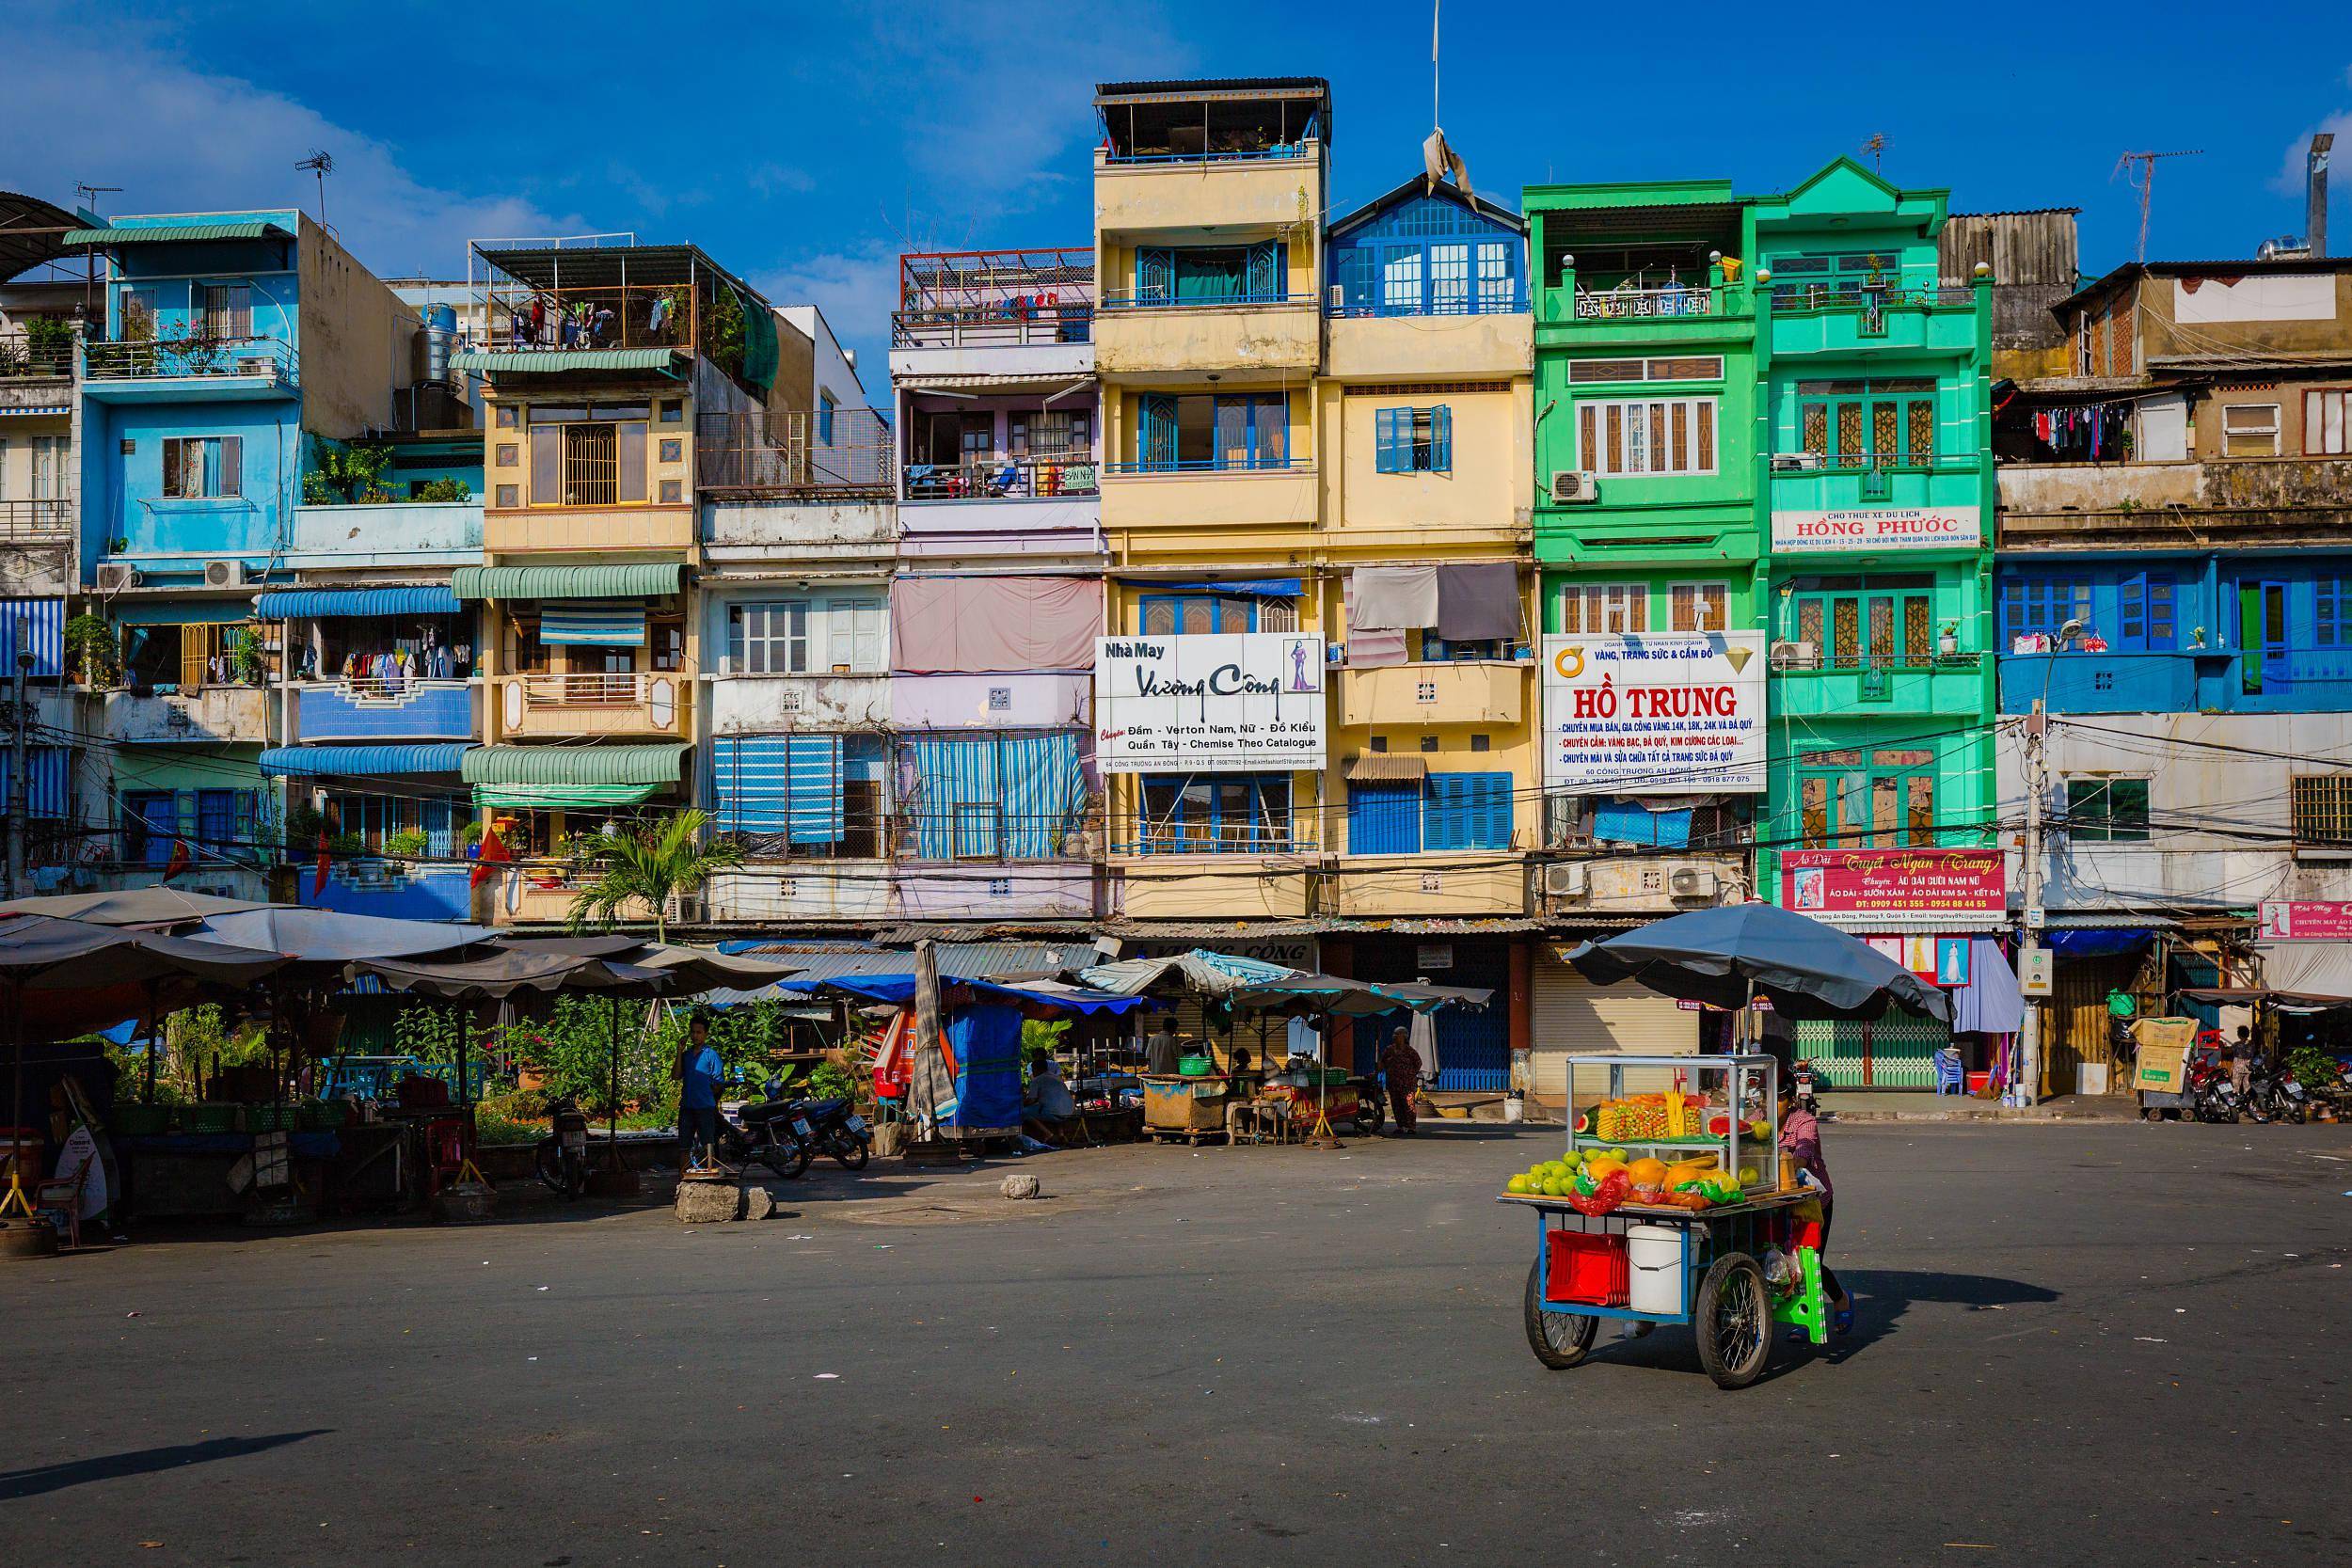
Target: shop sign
1299, 953
1213, 702
2037, 972
1755, 1004
1432, 954
1880, 527
2285, 921
1891, 881
1679, 713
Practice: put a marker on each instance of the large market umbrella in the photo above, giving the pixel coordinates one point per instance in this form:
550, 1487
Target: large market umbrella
316, 936
1728, 955
135, 906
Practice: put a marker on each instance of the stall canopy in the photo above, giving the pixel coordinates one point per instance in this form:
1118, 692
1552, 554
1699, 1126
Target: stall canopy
137, 906
696, 969
1200, 971
326, 762
541, 777
898, 990
303, 604
315, 936
502, 975
1726, 955
637, 580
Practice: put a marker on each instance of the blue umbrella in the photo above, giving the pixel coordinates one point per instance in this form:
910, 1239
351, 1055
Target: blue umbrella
1726, 955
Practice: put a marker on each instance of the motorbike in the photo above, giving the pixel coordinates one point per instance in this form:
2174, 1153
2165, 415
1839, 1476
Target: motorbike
2211, 1095
2275, 1096
836, 1129
563, 1154
1807, 1084
770, 1132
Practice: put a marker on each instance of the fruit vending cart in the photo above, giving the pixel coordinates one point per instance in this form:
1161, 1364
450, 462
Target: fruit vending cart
1670, 1207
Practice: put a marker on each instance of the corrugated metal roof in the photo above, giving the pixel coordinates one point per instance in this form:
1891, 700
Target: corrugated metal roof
1283, 85
1387, 768
347, 761
540, 361
973, 960
144, 233
635, 582
572, 764
281, 604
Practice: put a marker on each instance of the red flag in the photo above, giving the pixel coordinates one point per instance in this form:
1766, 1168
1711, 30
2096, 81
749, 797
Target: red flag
493, 851
318, 882
180, 859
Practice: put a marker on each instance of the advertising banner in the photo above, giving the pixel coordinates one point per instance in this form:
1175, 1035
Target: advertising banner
1880, 527
1674, 713
1210, 703
1893, 881
2285, 921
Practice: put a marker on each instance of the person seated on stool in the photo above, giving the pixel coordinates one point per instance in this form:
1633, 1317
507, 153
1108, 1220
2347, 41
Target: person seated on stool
1047, 1112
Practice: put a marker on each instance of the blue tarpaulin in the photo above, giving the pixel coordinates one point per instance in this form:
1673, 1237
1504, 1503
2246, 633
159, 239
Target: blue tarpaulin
2098, 941
299, 604
1618, 821
987, 1045
1254, 588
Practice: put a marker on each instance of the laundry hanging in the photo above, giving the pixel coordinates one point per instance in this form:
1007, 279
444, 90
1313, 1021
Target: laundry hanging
599, 623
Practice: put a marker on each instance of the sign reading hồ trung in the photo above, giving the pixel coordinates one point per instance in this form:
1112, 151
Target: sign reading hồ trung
1209, 703
1878, 527
1674, 713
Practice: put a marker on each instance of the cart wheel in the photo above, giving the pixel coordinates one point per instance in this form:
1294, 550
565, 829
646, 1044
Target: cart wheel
1734, 1318
1369, 1115
1559, 1340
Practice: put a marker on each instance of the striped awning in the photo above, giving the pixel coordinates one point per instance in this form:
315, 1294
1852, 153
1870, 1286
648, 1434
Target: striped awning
291, 604
573, 765
314, 762
24, 411
1387, 768
542, 360
46, 619
635, 581
606, 624
157, 233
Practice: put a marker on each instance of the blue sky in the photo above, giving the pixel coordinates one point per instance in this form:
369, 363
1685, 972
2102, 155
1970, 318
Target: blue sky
806, 145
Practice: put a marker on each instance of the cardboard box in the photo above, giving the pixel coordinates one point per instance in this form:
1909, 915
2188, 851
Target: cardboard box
2163, 1047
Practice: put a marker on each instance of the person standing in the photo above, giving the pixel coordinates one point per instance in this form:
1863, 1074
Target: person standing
698, 1072
1161, 1056
1400, 1064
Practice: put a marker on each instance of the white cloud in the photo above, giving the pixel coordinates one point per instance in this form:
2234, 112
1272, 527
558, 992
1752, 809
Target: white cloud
857, 290
181, 140
2289, 180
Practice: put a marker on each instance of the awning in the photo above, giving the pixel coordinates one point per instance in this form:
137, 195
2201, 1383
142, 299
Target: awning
318, 762
182, 612
176, 233
603, 624
538, 361
919, 381
284, 603
22, 411
1249, 587
529, 777
637, 582
2097, 942
1387, 768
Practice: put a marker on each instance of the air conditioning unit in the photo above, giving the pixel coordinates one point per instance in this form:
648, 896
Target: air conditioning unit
1335, 654
1565, 880
1573, 485
224, 574
1691, 882
1795, 461
1335, 298
114, 576
1796, 655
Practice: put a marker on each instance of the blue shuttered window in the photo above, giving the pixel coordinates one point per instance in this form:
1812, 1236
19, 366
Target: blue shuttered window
1432, 255
1265, 271
1413, 440
1395, 448
1156, 441
1384, 819
1155, 276
1467, 810
1441, 439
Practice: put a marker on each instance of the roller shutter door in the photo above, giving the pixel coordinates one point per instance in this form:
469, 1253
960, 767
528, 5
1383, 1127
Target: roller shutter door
1574, 1017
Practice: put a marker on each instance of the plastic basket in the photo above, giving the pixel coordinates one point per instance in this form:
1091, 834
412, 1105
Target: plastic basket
272, 1118
141, 1121
210, 1119
1588, 1268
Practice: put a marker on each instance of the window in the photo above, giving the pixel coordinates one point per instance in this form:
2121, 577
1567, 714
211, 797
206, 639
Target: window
1414, 440
588, 457
509, 495
1882, 799
1699, 606
1467, 810
1593, 610
51, 456
151, 820
508, 454
1662, 436
1224, 814
1842, 280
1431, 255
853, 634
202, 466
1867, 424
767, 638
2041, 604
138, 315
2328, 423
2107, 811
2249, 430
1052, 433
1213, 275
1437, 650
2331, 626
2144, 613
227, 311
1685, 368
1209, 433
1182, 614
673, 449
673, 492
824, 420
510, 417
1865, 624
670, 411
2322, 805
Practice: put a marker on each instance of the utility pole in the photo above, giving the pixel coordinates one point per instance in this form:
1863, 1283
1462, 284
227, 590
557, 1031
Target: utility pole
2029, 940
2144, 181
19, 792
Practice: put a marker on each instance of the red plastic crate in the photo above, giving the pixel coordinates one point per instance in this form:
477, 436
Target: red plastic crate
1592, 1270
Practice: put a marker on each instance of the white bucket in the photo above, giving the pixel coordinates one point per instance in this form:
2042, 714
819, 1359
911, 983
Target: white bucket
1655, 1252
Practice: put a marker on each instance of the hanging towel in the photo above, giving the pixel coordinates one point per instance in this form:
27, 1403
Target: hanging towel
1391, 598
1374, 650
1478, 601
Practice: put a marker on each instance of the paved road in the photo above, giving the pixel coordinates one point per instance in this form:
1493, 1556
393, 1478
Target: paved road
2094, 1344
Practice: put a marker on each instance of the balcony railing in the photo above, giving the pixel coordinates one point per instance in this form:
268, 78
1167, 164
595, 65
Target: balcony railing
849, 452
588, 690
1248, 154
1281, 838
173, 359
35, 519
1218, 302
993, 326
589, 705
618, 316
1005, 479
1207, 465
1627, 303
20, 361
1507, 301
1807, 297
1859, 462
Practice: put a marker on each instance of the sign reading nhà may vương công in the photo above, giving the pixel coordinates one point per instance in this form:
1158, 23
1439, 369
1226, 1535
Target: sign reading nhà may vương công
1209, 703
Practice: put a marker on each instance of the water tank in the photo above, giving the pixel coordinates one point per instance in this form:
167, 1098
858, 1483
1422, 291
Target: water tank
441, 331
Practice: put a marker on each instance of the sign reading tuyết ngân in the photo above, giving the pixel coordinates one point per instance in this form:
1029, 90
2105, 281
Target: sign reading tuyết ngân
1209, 703
1880, 527
1674, 713
1893, 881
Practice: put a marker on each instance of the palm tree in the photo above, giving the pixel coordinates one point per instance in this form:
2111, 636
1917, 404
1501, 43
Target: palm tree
652, 865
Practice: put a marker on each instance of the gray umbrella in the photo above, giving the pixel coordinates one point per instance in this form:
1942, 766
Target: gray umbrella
1724, 957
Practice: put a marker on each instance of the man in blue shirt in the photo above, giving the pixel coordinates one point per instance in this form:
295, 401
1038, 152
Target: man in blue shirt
697, 1072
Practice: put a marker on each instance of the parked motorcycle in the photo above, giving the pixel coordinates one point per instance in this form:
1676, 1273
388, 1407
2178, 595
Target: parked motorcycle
2211, 1095
769, 1132
1808, 1082
2275, 1096
563, 1154
837, 1130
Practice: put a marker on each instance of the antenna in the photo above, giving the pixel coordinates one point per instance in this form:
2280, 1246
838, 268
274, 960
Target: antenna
89, 193
1875, 150
2140, 169
322, 165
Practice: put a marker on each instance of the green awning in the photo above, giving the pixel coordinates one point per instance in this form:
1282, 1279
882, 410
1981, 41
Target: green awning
561, 797
539, 361
143, 234
635, 581
573, 766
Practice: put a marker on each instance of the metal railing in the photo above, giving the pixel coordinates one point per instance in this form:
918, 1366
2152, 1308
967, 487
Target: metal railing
379, 689
35, 519
170, 359
595, 690
19, 359
847, 453
1824, 297
1005, 479
1220, 302
1274, 464
1281, 149
1511, 301
1274, 839
1630, 304
992, 327
1786, 463
617, 316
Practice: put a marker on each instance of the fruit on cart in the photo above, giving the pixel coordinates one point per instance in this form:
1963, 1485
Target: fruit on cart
1601, 1167
1603, 1198
1516, 1184
1719, 1127
1692, 1199
1747, 1175
1691, 1169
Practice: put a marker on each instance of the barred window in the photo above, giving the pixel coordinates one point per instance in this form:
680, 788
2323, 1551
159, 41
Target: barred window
2323, 809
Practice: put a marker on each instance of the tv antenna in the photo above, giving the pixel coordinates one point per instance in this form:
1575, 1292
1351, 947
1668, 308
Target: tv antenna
89, 193
322, 165
2140, 171
1875, 147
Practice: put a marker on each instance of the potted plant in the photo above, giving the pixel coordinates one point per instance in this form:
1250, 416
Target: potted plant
249, 661
91, 652
406, 845
1947, 641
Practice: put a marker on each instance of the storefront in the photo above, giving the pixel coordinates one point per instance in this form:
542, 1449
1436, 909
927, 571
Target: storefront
1574, 1017
1473, 1043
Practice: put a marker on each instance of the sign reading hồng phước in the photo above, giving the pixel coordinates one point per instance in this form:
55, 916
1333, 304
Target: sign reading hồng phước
1878, 527
1209, 703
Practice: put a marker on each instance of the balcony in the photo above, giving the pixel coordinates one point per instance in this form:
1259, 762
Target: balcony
1275, 187
36, 522
1953, 687
2268, 502
22, 360
1372, 886
388, 534
373, 710
1637, 884
2191, 680
1639, 313
1469, 692
1832, 319
1244, 341
211, 714
754, 454
769, 704
1210, 500
1048, 478
1469, 345
981, 312
151, 369
559, 530
1011, 890
766, 890
1008, 506
393, 890
593, 707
